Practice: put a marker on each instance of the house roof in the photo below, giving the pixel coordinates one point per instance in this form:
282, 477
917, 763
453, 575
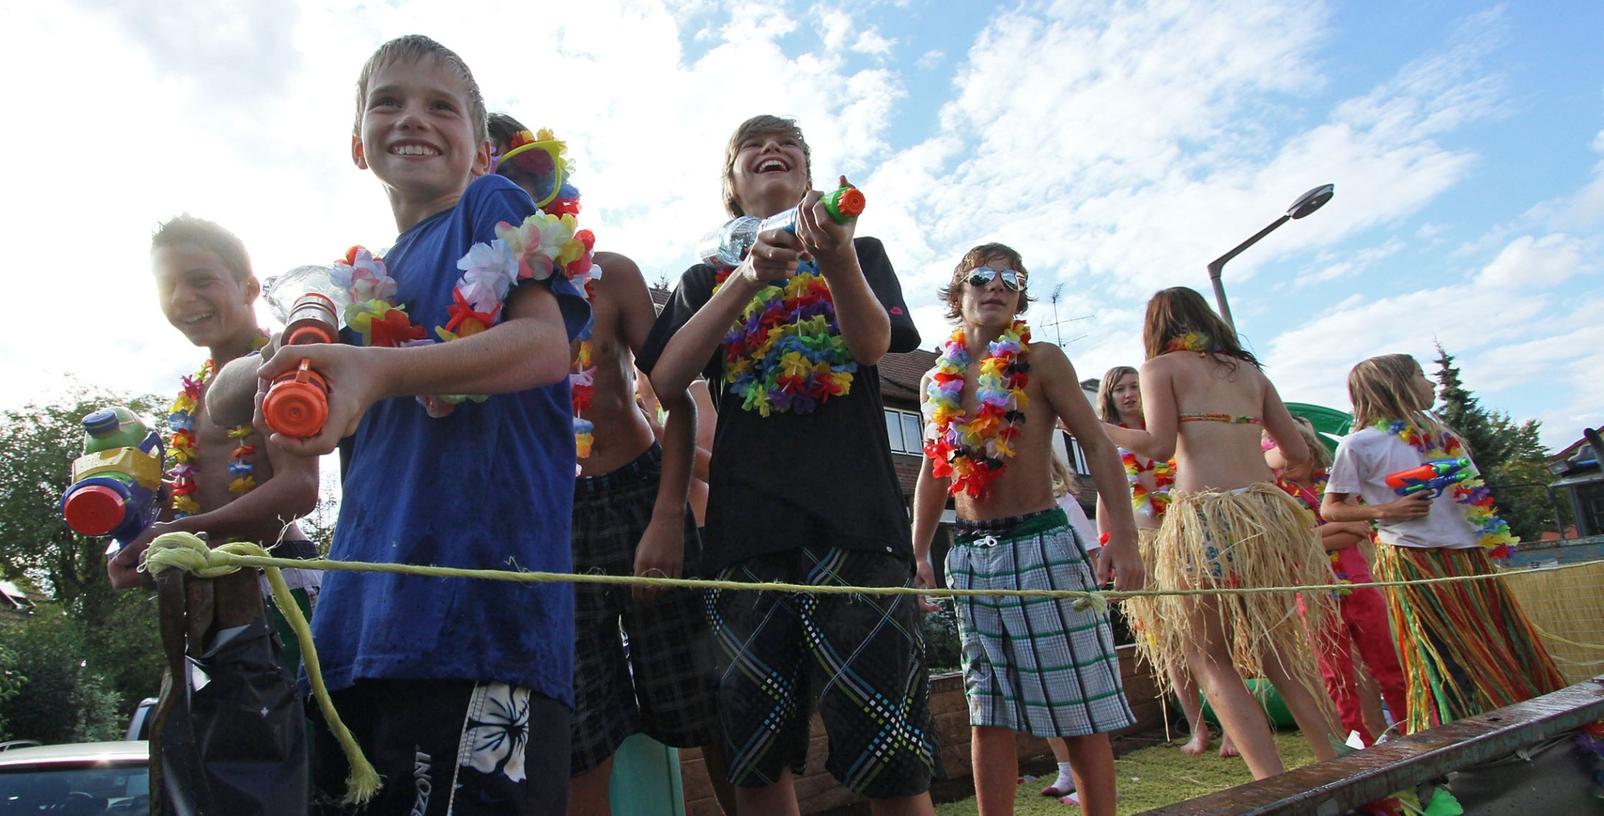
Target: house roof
900, 373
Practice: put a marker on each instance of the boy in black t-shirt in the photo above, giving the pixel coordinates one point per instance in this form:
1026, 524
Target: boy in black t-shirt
802, 490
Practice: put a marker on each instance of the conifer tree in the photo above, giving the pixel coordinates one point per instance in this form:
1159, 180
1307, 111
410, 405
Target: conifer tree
1508, 453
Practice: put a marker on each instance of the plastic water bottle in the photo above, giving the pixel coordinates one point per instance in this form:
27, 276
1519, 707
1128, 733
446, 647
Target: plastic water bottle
728, 245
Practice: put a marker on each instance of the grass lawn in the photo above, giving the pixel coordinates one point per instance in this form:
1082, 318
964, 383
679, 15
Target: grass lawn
1151, 777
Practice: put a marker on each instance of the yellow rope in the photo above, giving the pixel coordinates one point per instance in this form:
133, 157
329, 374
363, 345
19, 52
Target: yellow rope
188, 552
1096, 598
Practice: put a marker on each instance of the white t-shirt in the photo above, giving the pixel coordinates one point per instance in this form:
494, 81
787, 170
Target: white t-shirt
1363, 461
1077, 519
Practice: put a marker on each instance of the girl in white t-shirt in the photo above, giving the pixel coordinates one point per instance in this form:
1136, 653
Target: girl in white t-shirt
1465, 647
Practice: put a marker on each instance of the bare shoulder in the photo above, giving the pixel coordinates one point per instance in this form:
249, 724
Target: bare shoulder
1048, 354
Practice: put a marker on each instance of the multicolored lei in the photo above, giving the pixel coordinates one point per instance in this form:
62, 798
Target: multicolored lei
1192, 341
1150, 503
974, 451
548, 242
785, 352
182, 453
1472, 495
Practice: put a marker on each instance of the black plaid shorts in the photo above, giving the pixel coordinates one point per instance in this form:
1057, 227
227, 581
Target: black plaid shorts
861, 657
646, 667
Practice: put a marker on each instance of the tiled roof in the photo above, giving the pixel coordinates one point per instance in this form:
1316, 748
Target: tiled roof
900, 373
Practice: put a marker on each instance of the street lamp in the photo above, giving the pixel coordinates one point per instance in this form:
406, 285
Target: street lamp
1306, 203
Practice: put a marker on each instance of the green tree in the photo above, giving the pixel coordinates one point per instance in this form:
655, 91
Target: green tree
64, 696
114, 632
11, 682
1508, 452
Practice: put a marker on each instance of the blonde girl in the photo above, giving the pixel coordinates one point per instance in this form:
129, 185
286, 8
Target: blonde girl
1466, 647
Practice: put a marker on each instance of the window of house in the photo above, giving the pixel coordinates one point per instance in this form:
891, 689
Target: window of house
912, 432
894, 430
905, 430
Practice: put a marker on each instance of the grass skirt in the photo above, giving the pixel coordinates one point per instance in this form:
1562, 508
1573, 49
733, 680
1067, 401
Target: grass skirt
1259, 537
1466, 648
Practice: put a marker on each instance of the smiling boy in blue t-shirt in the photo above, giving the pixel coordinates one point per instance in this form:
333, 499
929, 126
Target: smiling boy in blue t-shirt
447, 684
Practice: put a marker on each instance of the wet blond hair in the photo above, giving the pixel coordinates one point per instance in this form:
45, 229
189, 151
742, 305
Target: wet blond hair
1319, 454
1063, 480
1380, 389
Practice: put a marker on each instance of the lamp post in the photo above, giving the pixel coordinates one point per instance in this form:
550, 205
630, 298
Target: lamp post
1306, 203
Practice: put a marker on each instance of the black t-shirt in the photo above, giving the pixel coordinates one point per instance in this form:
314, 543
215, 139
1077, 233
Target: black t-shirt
787, 480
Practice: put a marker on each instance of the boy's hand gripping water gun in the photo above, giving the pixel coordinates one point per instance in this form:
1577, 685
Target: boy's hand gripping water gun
728, 245
1432, 477
309, 303
117, 480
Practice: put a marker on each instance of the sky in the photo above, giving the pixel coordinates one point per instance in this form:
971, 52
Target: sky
1119, 147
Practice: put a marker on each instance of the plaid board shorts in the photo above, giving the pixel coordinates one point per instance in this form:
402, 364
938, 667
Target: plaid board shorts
860, 657
659, 676
1033, 665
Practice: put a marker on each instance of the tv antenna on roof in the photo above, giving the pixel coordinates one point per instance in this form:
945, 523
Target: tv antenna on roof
1057, 324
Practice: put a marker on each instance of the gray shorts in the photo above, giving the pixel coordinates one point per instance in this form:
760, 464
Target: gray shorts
1034, 665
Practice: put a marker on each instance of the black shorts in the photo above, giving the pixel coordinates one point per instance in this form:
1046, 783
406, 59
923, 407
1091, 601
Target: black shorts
660, 676
447, 748
860, 657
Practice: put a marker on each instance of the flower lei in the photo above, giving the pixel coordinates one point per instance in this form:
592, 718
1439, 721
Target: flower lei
785, 352
546, 243
1471, 494
582, 386
1192, 341
181, 453
975, 451
1151, 503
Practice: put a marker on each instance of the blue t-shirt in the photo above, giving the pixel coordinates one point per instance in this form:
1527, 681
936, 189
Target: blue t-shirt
489, 486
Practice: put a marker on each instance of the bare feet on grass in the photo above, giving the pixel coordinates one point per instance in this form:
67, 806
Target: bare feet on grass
1227, 748
1199, 743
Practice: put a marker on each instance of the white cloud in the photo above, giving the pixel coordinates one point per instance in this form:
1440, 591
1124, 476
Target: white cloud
248, 124
871, 41
1529, 261
1122, 148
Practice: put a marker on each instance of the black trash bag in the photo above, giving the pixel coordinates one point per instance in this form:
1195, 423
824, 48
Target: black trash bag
229, 736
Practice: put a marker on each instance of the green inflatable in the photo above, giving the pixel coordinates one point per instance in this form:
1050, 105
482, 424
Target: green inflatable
1274, 707
1329, 423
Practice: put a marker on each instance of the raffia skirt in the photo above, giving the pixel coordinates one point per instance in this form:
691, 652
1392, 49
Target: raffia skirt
1466, 647
1256, 536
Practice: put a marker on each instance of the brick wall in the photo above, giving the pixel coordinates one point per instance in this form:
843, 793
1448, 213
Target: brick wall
817, 791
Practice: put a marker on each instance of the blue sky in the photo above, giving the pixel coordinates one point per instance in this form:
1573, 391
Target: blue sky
1119, 148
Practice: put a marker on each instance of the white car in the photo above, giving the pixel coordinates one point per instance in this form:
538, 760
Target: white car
79, 779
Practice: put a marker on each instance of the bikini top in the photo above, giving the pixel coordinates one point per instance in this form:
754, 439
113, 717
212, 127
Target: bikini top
1230, 419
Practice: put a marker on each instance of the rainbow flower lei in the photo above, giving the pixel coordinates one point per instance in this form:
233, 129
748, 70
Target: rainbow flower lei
973, 452
543, 245
181, 453
785, 352
1151, 503
1471, 494
1192, 341
582, 388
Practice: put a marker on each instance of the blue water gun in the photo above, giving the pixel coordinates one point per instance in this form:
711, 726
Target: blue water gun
116, 483
1432, 477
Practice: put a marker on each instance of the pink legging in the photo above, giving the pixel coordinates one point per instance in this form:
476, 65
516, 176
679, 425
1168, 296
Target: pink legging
1363, 624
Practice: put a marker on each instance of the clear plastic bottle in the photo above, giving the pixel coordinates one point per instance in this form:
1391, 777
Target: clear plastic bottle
728, 245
